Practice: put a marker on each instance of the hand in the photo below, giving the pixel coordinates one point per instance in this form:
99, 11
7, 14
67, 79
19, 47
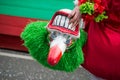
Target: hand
74, 16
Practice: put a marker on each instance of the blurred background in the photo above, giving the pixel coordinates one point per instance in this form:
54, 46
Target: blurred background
15, 61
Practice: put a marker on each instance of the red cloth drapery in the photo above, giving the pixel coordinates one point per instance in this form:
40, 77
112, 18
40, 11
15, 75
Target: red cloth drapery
102, 50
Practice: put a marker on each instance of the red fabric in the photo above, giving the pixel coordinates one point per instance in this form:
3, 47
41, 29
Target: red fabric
12, 42
102, 50
10, 30
13, 25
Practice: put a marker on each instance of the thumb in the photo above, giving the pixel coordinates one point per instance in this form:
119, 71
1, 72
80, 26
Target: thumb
71, 14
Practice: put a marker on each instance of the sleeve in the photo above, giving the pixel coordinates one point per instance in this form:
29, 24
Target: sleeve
77, 2
113, 13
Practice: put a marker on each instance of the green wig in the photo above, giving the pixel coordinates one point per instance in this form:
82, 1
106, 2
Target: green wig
35, 36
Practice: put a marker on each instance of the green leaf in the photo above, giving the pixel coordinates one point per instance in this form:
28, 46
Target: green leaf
87, 8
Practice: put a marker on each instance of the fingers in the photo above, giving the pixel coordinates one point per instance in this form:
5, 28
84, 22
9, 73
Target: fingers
71, 14
74, 17
76, 22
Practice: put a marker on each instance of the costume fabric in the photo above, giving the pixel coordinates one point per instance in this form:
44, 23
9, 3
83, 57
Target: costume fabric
102, 50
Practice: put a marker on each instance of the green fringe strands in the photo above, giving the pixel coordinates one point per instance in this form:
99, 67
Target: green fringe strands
100, 17
35, 36
87, 8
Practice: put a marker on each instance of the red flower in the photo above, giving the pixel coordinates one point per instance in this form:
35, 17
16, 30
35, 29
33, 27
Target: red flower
89, 17
82, 1
97, 1
98, 8
101, 9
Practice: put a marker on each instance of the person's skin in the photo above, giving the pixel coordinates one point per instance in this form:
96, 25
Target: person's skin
74, 16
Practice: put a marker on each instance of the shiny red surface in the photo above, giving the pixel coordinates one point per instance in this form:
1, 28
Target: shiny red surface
54, 55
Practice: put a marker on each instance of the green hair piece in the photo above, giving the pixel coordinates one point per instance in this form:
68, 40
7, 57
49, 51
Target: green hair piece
35, 36
100, 17
87, 8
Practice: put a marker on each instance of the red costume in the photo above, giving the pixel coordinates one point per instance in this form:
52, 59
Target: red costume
102, 50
